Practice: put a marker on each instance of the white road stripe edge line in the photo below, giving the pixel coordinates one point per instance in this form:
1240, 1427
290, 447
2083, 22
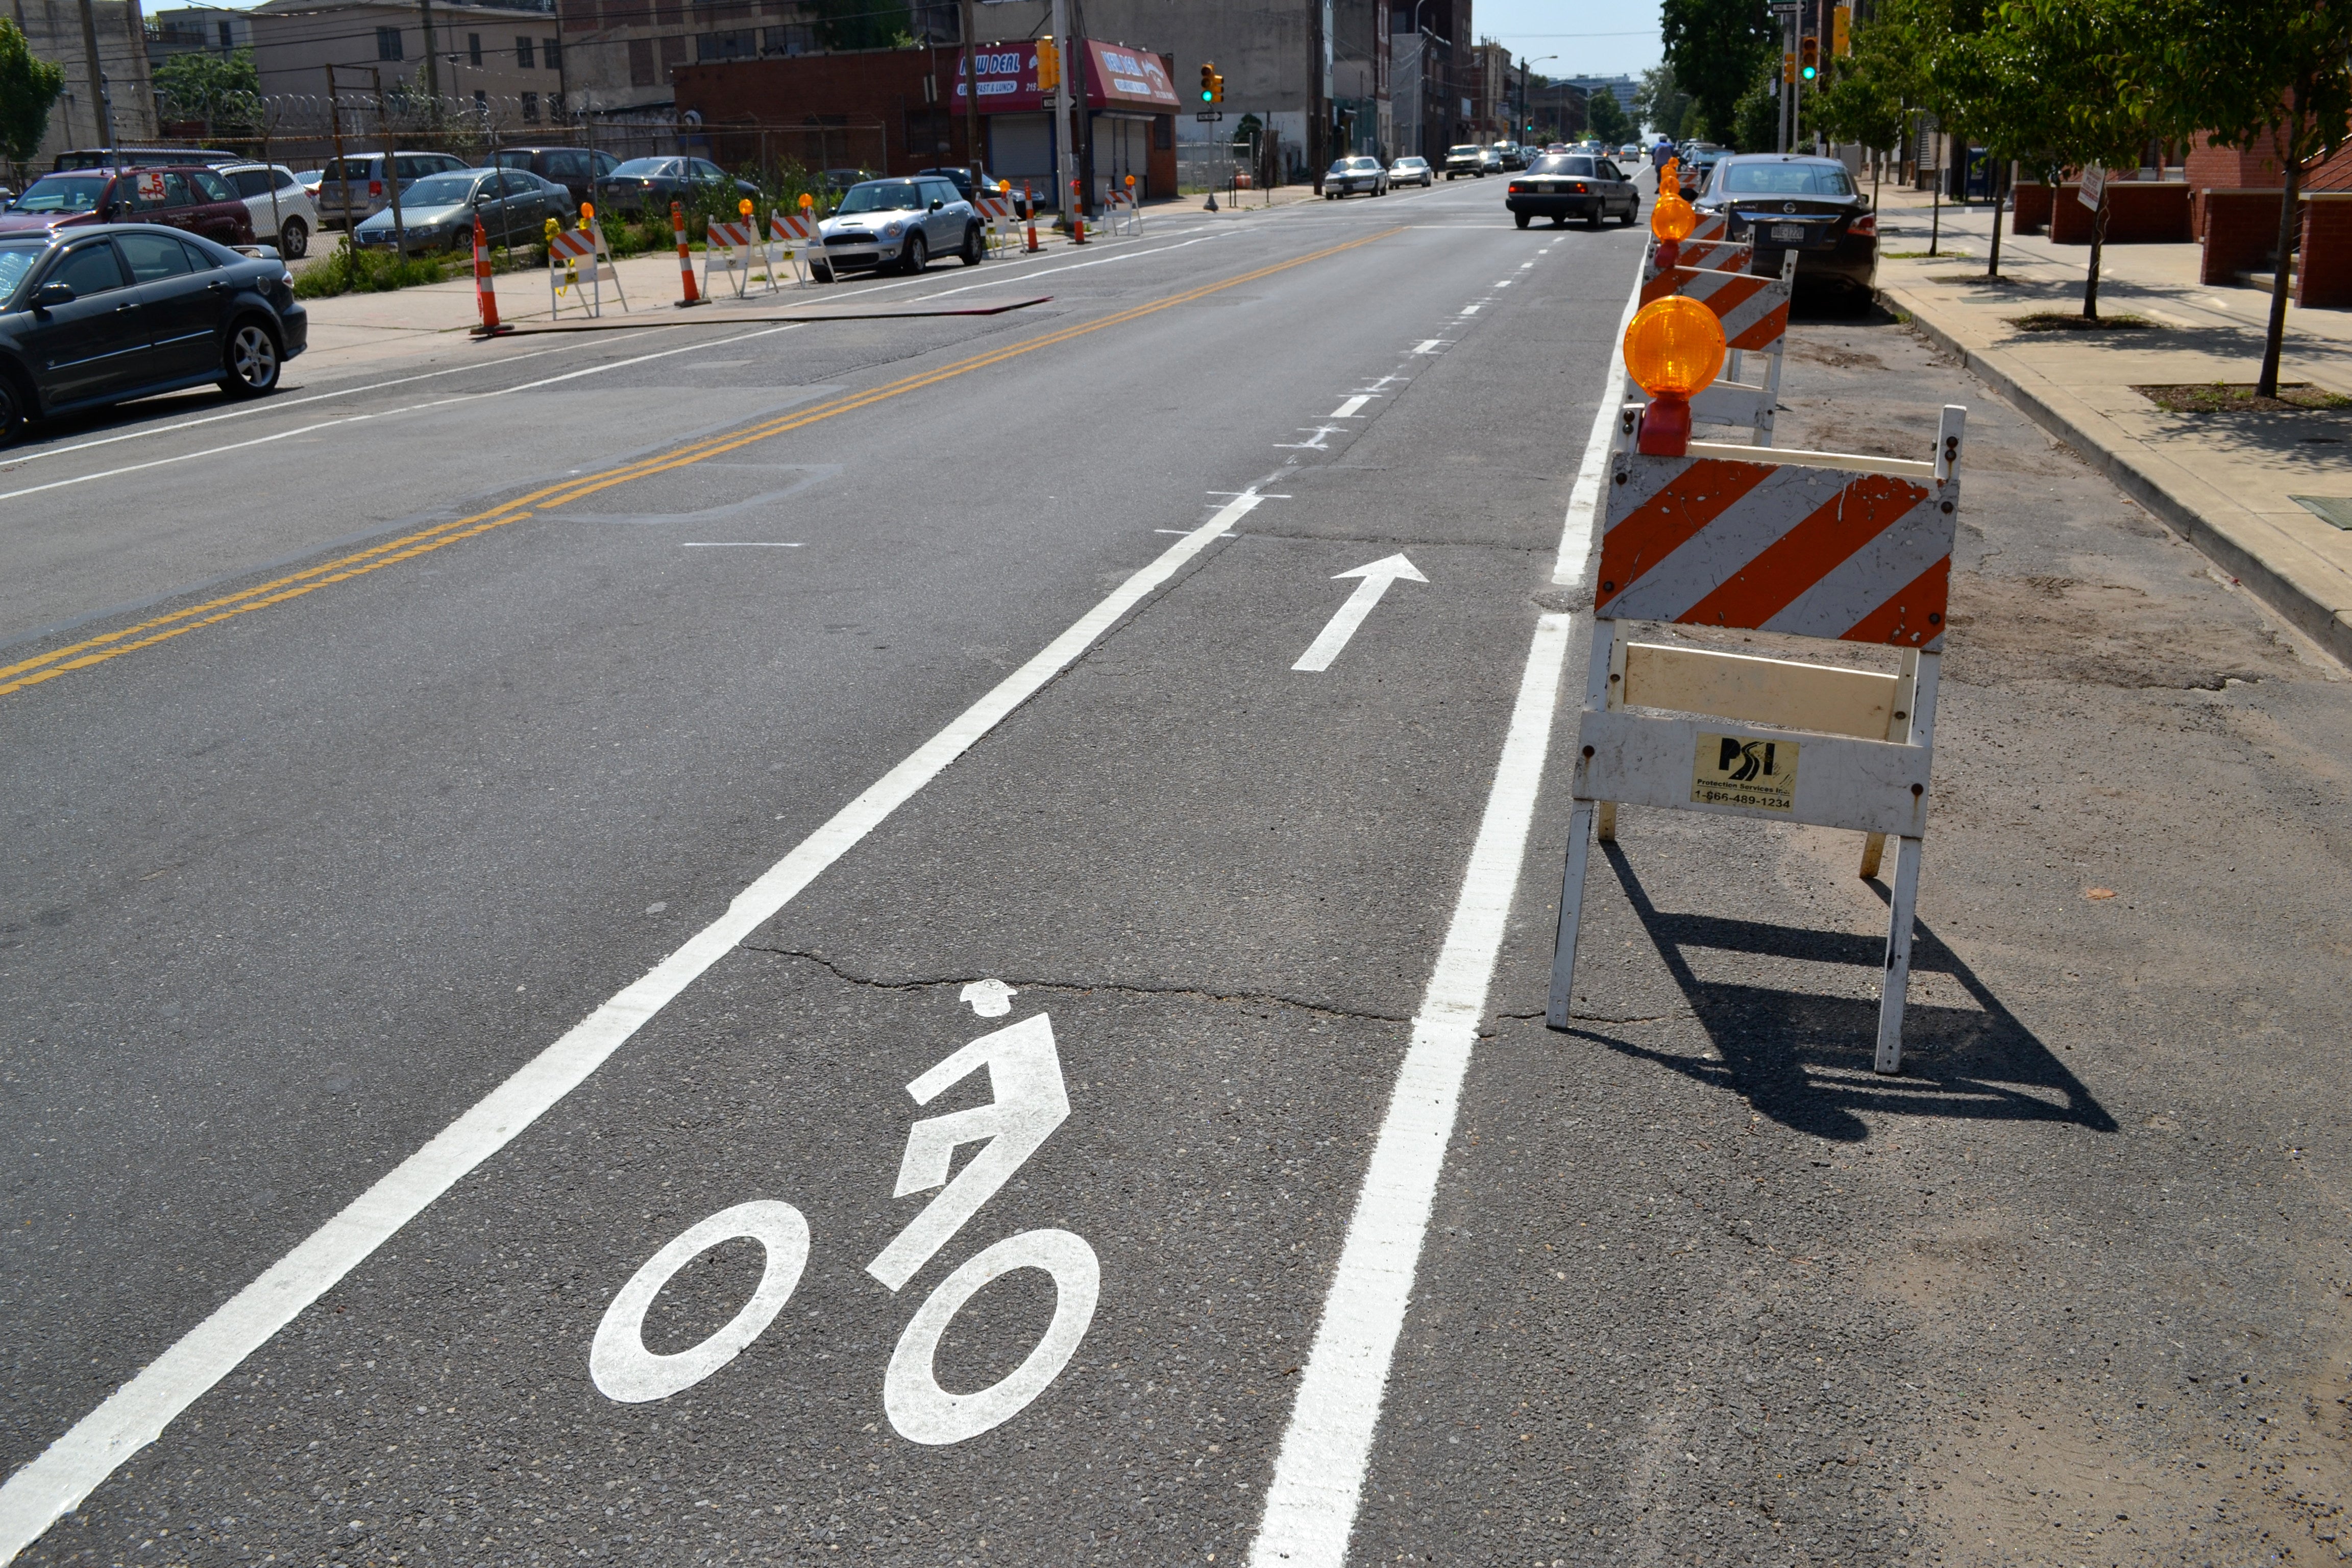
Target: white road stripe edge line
1318, 1474
1584, 500
136, 1414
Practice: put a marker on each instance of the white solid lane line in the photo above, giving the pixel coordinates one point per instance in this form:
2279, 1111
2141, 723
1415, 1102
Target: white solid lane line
734, 545
394, 413
1584, 499
136, 1414
1354, 405
1319, 1473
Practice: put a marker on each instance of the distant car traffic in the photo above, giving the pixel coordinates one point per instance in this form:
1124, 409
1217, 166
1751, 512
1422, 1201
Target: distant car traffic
1469, 158
359, 186
280, 210
94, 316
583, 172
1561, 186
1511, 155
1784, 201
898, 223
650, 185
1697, 167
1629, 151
1410, 172
190, 197
1351, 176
437, 214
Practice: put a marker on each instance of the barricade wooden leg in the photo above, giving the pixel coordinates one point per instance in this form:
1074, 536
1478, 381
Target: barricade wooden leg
1572, 911
1607, 832
1874, 844
1897, 979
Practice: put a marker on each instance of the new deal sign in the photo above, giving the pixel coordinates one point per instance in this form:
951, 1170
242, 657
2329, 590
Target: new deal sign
1117, 76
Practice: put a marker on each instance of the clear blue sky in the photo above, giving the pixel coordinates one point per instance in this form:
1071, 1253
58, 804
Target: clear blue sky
1590, 38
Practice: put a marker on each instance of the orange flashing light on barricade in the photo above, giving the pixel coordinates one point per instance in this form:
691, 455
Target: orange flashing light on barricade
1672, 220
1673, 347
685, 261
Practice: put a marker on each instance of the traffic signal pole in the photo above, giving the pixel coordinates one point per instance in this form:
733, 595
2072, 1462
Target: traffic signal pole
1063, 162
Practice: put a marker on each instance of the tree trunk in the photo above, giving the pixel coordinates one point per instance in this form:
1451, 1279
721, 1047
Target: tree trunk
1936, 212
2098, 242
2274, 338
2000, 182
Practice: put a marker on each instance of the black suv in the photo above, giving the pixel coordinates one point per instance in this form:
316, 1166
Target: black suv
1786, 201
583, 171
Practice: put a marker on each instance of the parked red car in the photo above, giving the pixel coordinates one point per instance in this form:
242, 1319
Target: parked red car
186, 196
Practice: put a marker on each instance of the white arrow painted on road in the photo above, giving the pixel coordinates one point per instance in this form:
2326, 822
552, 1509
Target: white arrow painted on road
1377, 576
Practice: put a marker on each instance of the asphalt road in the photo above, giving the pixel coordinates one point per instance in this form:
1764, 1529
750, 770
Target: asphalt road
762, 704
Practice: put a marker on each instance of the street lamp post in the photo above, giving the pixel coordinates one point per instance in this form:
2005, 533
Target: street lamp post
1519, 129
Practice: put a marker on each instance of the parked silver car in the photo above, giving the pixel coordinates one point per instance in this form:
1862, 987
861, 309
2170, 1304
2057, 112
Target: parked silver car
283, 214
899, 223
438, 212
358, 182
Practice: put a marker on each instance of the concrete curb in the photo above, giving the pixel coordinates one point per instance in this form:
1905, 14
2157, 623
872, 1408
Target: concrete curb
2249, 549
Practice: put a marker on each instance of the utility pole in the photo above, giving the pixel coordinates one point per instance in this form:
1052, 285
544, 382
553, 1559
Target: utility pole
392, 164
971, 93
1062, 161
1082, 135
432, 56
104, 111
1318, 119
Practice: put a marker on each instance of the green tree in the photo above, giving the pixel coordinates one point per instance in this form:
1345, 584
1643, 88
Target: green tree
1756, 120
1606, 118
29, 88
1658, 103
861, 24
1871, 90
2267, 75
1716, 48
221, 91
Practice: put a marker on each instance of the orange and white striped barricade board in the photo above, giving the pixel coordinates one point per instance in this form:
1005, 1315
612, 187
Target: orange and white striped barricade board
996, 217
727, 247
1810, 544
1122, 213
1707, 255
569, 253
1754, 310
788, 234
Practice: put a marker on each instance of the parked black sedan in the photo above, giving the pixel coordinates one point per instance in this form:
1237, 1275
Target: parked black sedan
102, 314
650, 185
1786, 201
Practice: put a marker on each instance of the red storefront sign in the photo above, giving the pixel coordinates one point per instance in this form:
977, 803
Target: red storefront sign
1117, 77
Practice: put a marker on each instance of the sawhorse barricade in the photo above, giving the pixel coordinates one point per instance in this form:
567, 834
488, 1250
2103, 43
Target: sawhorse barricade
567, 250
1121, 214
726, 248
793, 232
997, 216
1809, 544
1754, 310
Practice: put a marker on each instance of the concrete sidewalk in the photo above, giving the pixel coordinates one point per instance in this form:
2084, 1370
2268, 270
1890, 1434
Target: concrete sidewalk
2224, 480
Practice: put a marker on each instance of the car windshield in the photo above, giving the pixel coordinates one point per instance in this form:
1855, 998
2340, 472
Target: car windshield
884, 196
1562, 165
438, 191
62, 194
643, 167
1462, 151
1408, 162
16, 261
1786, 179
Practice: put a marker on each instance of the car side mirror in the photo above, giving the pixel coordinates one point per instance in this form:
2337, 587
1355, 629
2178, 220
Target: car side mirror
50, 294
936, 203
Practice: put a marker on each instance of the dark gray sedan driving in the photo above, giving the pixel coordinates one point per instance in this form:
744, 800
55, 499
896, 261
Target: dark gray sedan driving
105, 313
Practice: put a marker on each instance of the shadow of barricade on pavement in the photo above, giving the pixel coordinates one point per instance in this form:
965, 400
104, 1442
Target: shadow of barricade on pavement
1804, 1060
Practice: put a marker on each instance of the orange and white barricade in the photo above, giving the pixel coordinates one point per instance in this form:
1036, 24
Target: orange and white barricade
1809, 545
1122, 201
569, 251
789, 235
996, 218
1754, 310
726, 248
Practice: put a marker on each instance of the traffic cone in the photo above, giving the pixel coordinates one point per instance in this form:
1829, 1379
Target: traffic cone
685, 261
1030, 204
486, 297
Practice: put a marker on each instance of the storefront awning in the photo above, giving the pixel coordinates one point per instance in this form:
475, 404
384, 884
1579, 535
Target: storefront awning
1117, 77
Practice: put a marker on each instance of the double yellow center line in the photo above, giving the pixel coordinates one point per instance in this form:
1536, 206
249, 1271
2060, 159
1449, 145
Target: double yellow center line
15, 678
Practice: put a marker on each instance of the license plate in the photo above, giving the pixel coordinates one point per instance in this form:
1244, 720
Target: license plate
1788, 231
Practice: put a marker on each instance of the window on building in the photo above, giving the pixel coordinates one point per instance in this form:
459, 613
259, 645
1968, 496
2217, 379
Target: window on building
738, 44
551, 53
641, 62
671, 14
474, 48
792, 38
530, 109
673, 54
481, 104
523, 49
228, 39
387, 43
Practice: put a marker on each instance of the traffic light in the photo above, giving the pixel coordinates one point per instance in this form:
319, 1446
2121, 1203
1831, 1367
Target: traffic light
1049, 65
1841, 30
1808, 57
1208, 82
1789, 65
1217, 86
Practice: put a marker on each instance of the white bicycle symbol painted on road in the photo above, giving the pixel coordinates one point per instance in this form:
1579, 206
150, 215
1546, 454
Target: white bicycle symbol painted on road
1024, 1074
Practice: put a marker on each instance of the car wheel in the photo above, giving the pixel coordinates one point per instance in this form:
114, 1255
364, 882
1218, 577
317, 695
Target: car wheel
251, 362
14, 408
1561, 221
975, 248
820, 272
1592, 218
1522, 219
293, 238
917, 255
1633, 211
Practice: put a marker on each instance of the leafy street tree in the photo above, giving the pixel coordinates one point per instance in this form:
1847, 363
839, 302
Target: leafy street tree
1716, 48
1756, 124
2268, 75
1871, 90
861, 24
221, 91
1660, 104
29, 88
1606, 119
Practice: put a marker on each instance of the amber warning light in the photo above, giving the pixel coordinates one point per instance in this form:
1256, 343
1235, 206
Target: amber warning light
1673, 347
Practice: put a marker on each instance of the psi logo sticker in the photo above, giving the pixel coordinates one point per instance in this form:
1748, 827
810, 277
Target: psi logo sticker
1735, 770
